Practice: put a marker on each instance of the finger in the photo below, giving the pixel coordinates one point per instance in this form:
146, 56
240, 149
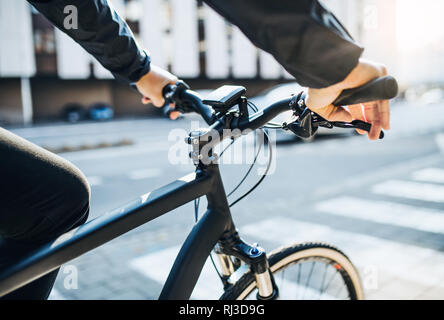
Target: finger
376, 127
146, 100
174, 115
332, 113
158, 102
384, 110
357, 111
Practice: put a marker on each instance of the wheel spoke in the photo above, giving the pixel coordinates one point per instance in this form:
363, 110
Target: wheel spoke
282, 280
340, 290
330, 281
321, 289
309, 277
299, 279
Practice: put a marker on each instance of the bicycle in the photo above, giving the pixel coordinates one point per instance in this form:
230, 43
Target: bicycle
315, 270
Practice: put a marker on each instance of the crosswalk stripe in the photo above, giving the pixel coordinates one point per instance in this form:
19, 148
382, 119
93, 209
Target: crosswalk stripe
411, 190
386, 212
158, 265
429, 175
94, 180
388, 259
391, 261
440, 142
56, 295
145, 173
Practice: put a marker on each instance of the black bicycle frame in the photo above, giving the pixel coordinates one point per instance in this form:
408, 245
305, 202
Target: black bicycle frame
215, 224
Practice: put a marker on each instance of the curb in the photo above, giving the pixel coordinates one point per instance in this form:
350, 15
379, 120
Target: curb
86, 146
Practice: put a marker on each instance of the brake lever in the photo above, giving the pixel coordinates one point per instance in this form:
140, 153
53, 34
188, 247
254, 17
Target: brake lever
356, 124
308, 122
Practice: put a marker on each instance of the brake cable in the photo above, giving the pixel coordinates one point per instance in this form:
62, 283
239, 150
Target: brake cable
266, 140
197, 201
265, 173
249, 169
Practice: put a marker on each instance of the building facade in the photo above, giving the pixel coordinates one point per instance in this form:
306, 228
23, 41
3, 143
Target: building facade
41, 69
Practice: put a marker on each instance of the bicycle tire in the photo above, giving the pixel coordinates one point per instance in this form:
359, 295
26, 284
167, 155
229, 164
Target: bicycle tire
290, 255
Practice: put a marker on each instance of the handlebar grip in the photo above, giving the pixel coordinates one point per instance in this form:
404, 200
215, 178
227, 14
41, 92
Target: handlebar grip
383, 88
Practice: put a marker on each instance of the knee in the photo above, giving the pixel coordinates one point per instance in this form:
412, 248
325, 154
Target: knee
46, 194
69, 202
76, 195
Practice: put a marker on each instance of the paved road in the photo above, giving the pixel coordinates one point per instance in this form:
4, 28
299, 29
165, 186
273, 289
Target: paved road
381, 202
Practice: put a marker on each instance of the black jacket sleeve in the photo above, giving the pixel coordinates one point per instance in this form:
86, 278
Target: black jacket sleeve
302, 35
102, 33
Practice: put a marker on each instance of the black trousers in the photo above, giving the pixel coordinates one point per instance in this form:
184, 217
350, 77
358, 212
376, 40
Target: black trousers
41, 197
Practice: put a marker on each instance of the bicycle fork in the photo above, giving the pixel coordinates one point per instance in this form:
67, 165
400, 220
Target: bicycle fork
252, 255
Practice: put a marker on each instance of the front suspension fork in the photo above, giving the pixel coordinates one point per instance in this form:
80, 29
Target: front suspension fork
254, 256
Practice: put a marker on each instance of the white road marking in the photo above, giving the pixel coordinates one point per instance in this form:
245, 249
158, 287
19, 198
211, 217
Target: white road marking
145, 173
389, 260
158, 265
440, 142
94, 180
386, 261
386, 212
429, 175
56, 295
411, 190
364, 179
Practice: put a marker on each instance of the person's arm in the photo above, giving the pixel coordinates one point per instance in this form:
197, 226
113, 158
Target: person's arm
314, 47
101, 32
303, 36
106, 36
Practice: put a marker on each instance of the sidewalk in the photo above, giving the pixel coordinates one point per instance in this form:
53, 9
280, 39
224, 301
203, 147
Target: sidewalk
63, 137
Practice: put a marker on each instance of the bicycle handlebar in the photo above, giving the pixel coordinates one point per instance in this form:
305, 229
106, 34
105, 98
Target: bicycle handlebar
187, 100
383, 88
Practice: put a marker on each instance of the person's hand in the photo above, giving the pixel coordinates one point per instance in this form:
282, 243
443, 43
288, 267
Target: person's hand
151, 86
377, 112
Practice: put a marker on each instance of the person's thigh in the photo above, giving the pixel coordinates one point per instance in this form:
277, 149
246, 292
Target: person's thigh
41, 197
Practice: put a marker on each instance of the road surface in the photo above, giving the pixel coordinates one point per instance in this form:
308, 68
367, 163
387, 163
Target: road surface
381, 202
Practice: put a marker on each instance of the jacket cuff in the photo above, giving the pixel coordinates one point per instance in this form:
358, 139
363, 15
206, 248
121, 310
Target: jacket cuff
140, 67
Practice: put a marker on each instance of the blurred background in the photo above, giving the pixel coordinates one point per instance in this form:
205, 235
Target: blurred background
381, 202
44, 73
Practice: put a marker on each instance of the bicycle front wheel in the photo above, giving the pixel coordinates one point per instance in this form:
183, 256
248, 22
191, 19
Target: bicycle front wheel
307, 271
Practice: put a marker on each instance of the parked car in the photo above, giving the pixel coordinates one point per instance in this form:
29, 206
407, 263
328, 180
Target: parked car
100, 112
74, 112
